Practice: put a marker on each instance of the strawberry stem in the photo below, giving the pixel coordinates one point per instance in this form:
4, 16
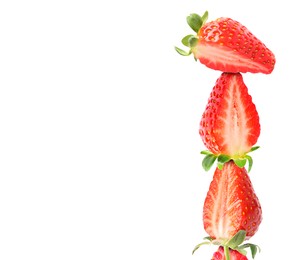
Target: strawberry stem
227, 252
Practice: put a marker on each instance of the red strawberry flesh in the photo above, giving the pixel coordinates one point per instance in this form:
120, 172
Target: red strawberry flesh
231, 204
227, 45
230, 122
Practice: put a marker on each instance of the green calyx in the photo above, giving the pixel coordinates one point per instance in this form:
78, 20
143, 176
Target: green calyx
195, 21
221, 159
235, 243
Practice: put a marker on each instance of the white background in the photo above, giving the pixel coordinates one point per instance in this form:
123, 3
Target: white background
99, 145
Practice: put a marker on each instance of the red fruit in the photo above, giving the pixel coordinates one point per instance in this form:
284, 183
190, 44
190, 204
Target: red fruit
231, 204
234, 255
230, 122
227, 45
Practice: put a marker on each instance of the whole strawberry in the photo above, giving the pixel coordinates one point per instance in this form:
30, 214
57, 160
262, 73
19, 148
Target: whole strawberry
230, 123
226, 45
231, 204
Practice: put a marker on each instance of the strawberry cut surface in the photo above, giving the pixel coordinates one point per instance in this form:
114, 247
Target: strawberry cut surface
230, 123
226, 45
229, 46
231, 204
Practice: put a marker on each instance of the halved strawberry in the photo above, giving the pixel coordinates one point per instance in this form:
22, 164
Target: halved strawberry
226, 45
229, 127
231, 204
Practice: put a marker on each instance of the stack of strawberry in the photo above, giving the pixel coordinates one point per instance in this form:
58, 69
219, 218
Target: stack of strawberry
229, 129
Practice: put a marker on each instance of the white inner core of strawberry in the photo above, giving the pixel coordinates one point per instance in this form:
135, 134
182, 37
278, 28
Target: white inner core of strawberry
235, 122
221, 223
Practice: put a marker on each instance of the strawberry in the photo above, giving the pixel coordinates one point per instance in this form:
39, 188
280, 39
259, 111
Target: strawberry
231, 204
230, 123
226, 45
233, 255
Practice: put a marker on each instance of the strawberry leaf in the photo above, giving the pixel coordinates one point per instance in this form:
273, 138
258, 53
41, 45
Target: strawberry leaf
221, 160
240, 162
254, 148
195, 22
182, 52
206, 152
208, 238
208, 161
216, 242
204, 17
250, 162
192, 41
242, 251
237, 239
253, 248
199, 245
185, 40
220, 166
